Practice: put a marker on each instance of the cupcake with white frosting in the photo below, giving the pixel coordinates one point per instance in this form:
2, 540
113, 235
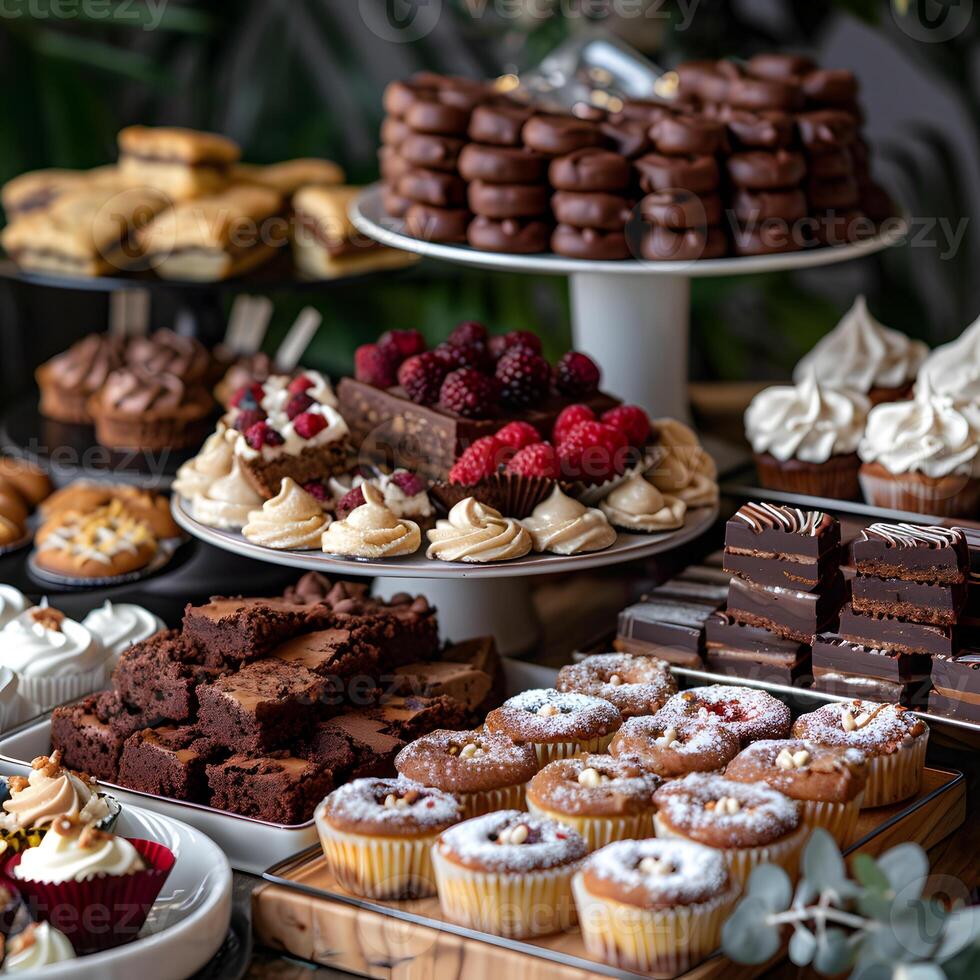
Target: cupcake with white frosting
923, 455
805, 438
565, 526
12, 603
227, 502
121, 624
954, 369
55, 658
293, 520
38, 946
862, 355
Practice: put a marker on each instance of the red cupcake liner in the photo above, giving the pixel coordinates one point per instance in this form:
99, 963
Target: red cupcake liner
104, 911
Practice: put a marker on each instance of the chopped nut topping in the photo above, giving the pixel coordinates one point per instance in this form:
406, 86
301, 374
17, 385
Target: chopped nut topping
50, 619
592, 778
615, 680
655, 866
513, 835
548, 710
726, 805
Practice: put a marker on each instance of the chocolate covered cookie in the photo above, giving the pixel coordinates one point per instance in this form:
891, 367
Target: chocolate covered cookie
501, 164
609, 212
557, 135
670, 245
590, 169
681, 209
507, 200
498, 125
759, 170
433, 187
512, 235
437, 224
589, 243
690, 173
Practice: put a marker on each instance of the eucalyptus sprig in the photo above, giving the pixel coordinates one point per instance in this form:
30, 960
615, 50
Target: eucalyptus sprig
878, 924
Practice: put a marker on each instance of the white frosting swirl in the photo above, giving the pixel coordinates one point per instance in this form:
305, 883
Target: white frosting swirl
929, 434
372, 531
40, 944
954, 368
119, 625
475, 532
292, 520
861, 354
228, 501
37, 645
78, 856
210, 464
53, 792
12, 603
566, 527
638, 505
808, 422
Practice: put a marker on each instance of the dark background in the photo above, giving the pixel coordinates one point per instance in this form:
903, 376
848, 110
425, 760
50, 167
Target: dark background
304, 77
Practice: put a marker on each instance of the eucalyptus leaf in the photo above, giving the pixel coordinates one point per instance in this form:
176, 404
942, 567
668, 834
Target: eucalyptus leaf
747, 936
916, 928
772, 886
833, 953
823, 865
865, 869
875, 905
962, 927
802, 945
906, 867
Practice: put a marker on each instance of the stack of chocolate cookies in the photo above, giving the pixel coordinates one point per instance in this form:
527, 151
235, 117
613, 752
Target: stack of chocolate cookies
507, 191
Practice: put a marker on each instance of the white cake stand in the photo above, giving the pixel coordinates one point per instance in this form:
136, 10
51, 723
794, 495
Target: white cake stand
632, 317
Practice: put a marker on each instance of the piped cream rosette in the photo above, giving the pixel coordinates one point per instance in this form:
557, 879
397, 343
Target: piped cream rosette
372, 531
638, 505
212, 463
682, 467
566, 527
290, 521
475, 532
227, 502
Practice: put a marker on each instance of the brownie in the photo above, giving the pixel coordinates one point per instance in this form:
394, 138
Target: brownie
789, 612
241, 630
160, 675
364, 739
947, 707
87, 742
921, 602
464, 684
167, 761
278, 789
958, 677
411, 717
892, 633
872, 673
912, 552
262, 707
667, 628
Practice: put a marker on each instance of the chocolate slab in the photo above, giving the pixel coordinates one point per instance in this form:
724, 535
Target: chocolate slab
910, 694
790, 612
782, 570
912, 552
673, 630
723, 631
920, 602
678, 588
831, 652
947, 707
897, 634
741, 663
958, 677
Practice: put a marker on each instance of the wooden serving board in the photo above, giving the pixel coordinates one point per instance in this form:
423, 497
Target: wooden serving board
304, 912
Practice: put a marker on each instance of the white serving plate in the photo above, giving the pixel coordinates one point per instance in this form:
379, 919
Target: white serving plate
188, 921
250, 845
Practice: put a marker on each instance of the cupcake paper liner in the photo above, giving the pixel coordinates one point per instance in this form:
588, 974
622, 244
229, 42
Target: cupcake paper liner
896, 777
552, 751
490, 800
379, 867
513, 495
101, 912
837, 478
658, 942
838, 819
41, 694
950, 496
516, 906
599, 831
591, 493
741, 860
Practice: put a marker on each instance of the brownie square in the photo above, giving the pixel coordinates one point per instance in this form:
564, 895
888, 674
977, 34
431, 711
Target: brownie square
281, 789
262, 707
959, 676
947, 707
167, 761
356, 736
667, 628
464, 684
921, 602
410, 717
773, 536
241, 629
874, 630
739, 650
789, 612
912, 552
87, 743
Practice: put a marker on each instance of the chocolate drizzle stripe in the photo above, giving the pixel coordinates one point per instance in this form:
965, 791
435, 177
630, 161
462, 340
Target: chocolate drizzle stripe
760, 516
913, 535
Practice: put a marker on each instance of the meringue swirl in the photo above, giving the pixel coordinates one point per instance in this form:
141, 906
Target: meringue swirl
567, 527
683, 468
119, 625
861, 354
210, 464
292, 520
930, 434
475, 532
228, 501
954, 368
637, 505
372, 531
77, 855
39, 945
808, 422
42, 642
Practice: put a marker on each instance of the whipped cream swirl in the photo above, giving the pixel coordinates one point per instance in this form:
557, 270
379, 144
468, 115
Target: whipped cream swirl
39, 945
228, 501
861, 354
43, 643
292, 520
638, 505
567, 527
475, 532
808, 421
70, 853
954, 368
119, 625
52, 792
372, 531
12, 603
210, 464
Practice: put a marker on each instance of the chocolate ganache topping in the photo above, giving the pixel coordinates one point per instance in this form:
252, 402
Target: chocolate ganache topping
762, 516
86, 364
135, 390
913, 535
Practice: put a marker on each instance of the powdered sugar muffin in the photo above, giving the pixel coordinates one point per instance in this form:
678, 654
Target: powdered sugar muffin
747, 713
749, 824
673, 747
636, 685
653, 906
892, 737
485, 771
508, 873
558, 724
601, 797
377, 835
827, 780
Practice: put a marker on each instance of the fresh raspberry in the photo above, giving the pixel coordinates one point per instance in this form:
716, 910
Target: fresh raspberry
244, 420
262, 434
593, 452
468, 332
402, 343
317, 489
481, 459
524, 377
421, 376
539, 459
376, 365
463, 355
298, 404
576, 375
248, 396
568, 419
350, 501
300, 384
518, 435
631, 420
408, 483
501, 343
469, 393
307, 425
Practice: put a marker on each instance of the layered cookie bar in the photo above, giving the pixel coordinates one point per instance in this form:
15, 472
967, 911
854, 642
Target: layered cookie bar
956, 686
180, 162
922, 602
877, 630
739, 650
39, 189
912, 553
289, 176
216, 237
789, 612
869, 672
